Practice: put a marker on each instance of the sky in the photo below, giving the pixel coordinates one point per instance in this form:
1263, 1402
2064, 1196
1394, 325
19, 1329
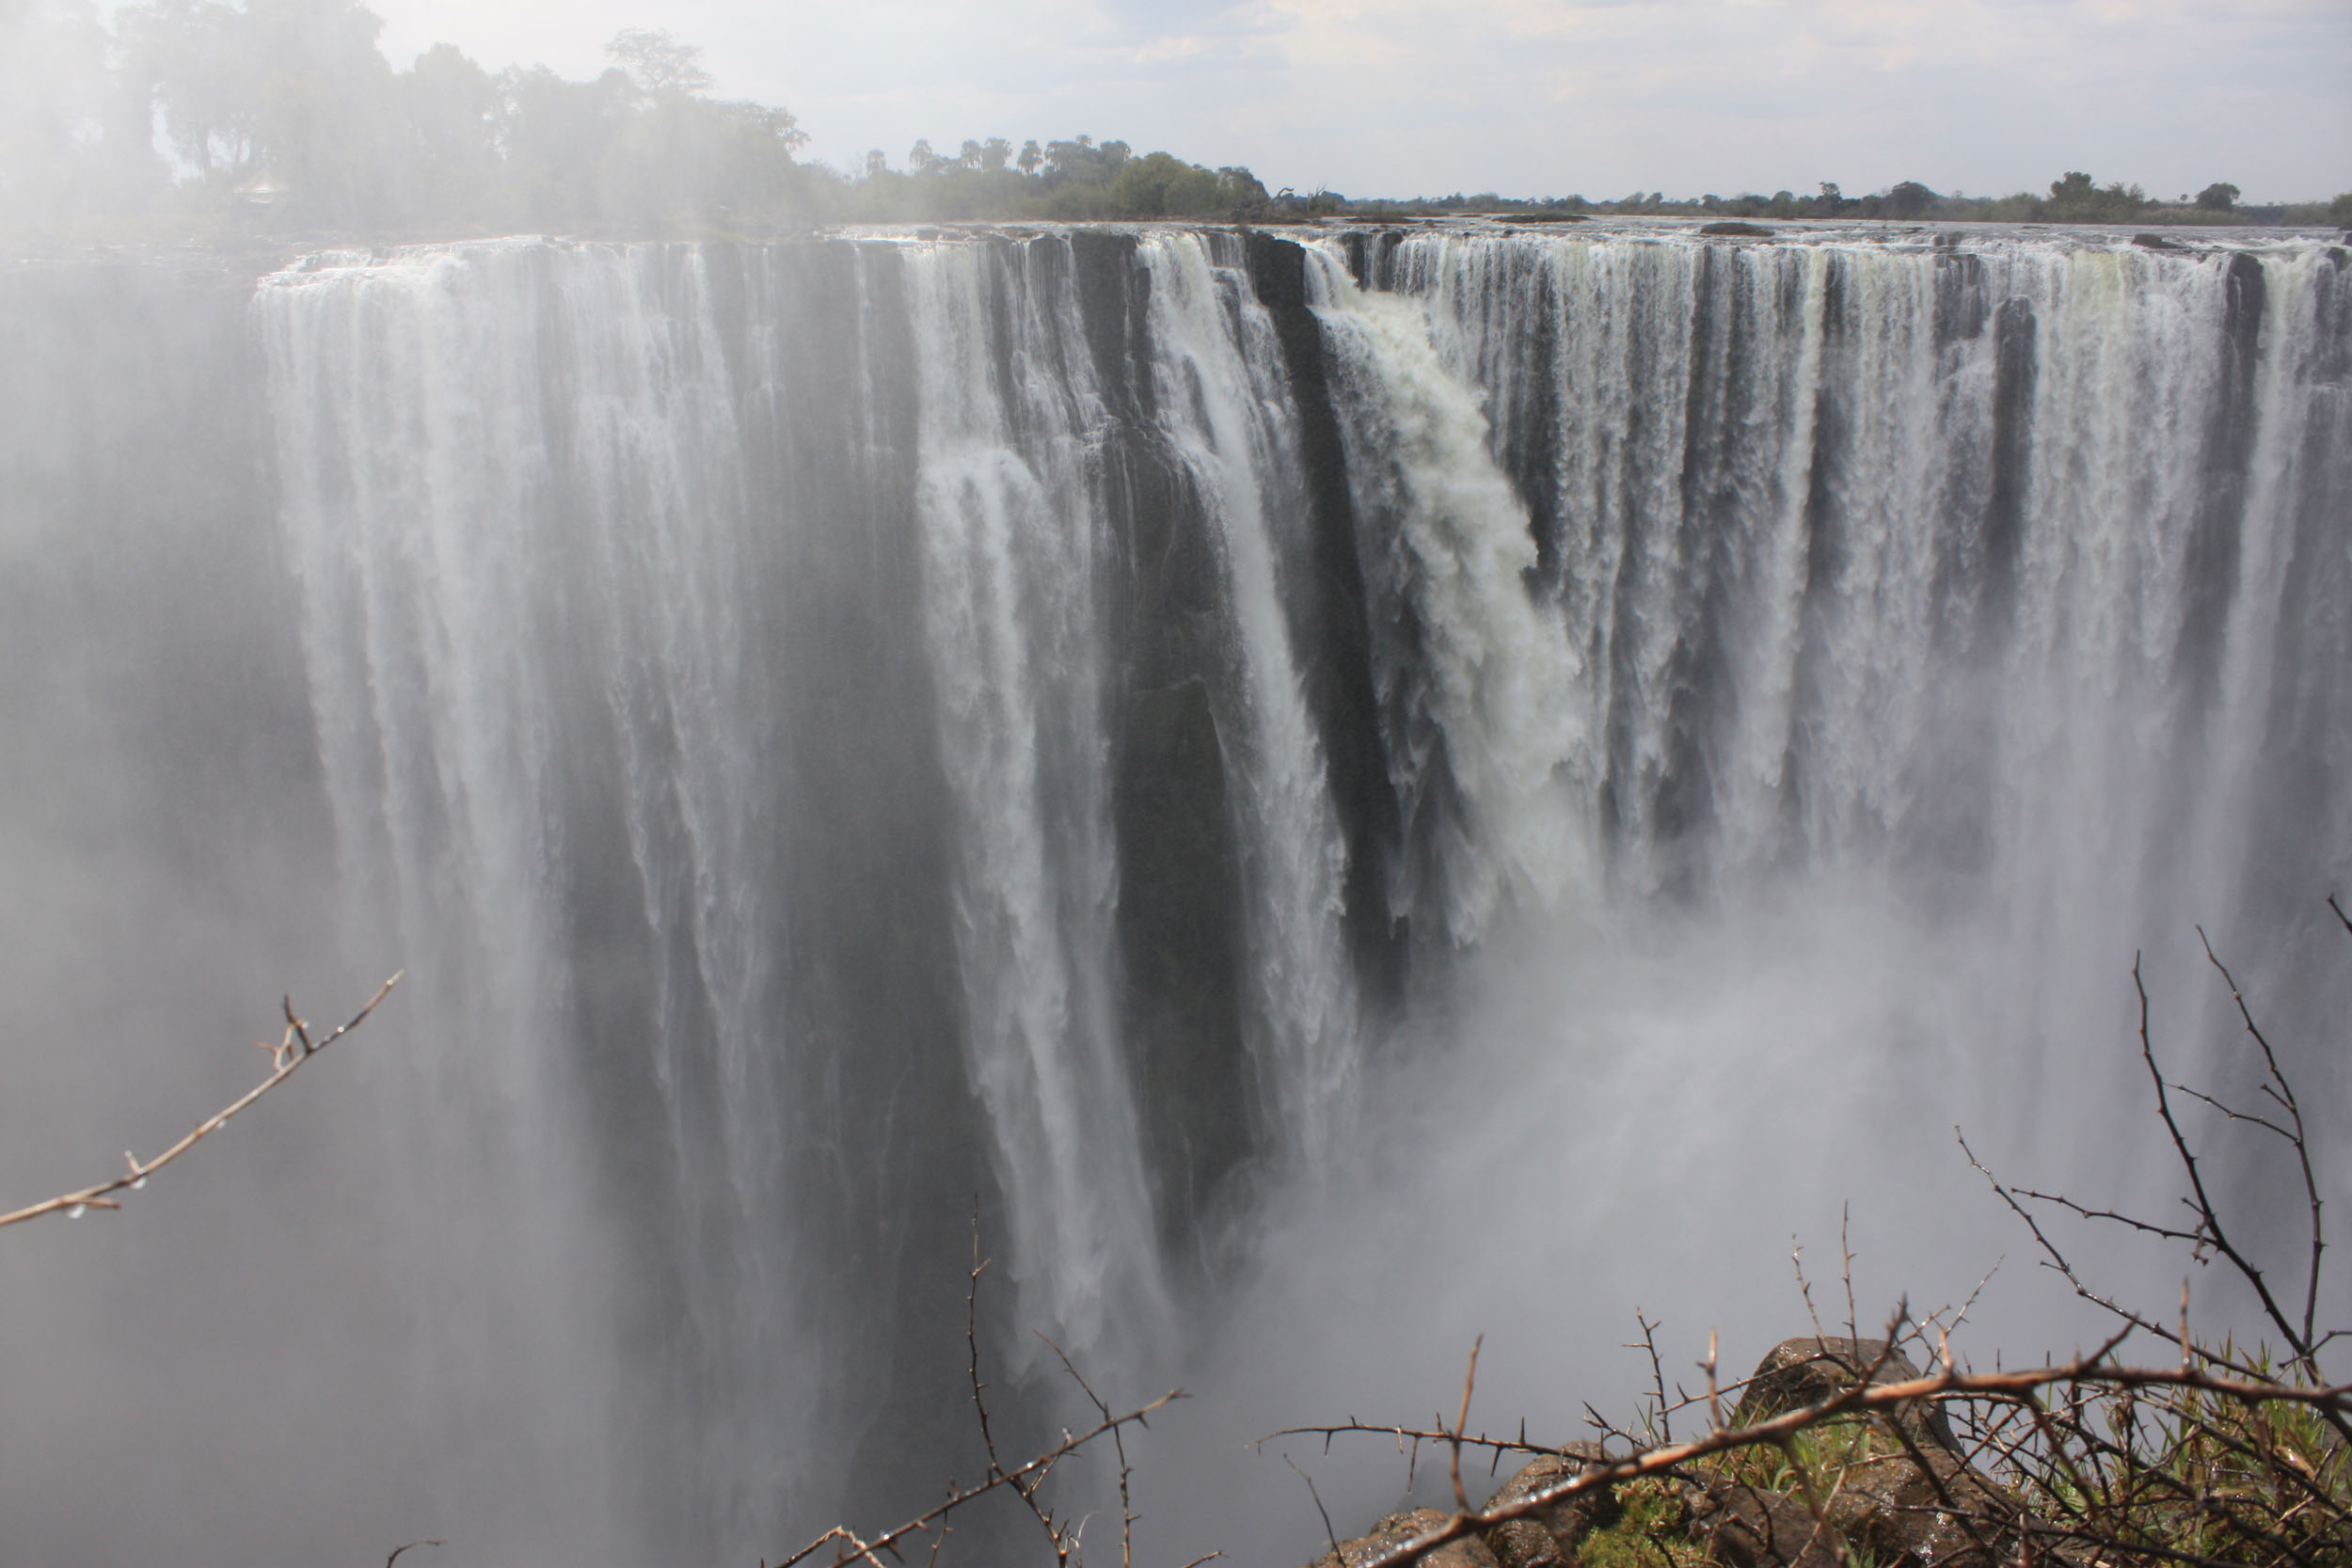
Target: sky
1598, 98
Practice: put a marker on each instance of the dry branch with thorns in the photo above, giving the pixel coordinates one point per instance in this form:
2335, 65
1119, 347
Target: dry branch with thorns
287, 1055
1026, 1482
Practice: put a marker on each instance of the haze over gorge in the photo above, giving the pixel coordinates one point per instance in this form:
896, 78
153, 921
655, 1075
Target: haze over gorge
1345, 787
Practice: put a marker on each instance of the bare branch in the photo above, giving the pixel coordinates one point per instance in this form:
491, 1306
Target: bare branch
2281, 1093
296, 1049
1328, 1534
1351, 1427
2209, 1215
2055, 1260
1657, 1373
1461, 1422
1024, 1485
1029, 1473
1127, 1514
2234, 1113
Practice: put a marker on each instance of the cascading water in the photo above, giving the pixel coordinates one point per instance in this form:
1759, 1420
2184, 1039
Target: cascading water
1908, 549
1253, 766
1216, 377
1478, 682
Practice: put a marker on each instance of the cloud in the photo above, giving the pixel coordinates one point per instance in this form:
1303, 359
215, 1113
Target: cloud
1535, 96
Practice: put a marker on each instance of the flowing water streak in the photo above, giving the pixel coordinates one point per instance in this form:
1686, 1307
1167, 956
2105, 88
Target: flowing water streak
660, 553
411, 454
513, 485
1012, 512
1224, 407
2299, 467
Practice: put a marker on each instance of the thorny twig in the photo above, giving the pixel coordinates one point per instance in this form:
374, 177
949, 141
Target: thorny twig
1328, 1534
1844, 1266
288, 1055
1416, 1435
1461, 1422
1714, 1391
1031, 1474
1657, 1374
1025, 1489
1127, 1515
1024, 1480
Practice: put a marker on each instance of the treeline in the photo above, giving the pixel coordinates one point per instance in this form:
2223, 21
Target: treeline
1071, 179
2075, 197
283, 116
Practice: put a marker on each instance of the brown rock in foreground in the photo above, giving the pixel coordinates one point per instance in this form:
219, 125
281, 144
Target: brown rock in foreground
1397, 1529
1546, 1537
1746, 1527
1798, 1372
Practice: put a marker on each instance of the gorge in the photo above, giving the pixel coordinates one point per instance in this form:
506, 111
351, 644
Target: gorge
1338, 787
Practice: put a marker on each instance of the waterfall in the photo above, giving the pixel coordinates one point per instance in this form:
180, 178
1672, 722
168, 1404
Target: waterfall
1682, 564
1078, 730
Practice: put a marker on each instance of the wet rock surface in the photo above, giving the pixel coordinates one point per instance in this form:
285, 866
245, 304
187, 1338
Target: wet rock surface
1745, 1527
1397, 1529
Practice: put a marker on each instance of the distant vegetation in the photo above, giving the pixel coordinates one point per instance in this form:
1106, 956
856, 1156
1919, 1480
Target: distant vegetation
282, 115
206, 119
2076, 198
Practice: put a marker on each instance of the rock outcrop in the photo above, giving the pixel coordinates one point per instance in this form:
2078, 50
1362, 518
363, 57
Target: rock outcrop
1799, 1373
1547, 1539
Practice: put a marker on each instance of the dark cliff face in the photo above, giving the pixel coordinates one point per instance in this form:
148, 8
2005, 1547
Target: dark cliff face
1178, 698
877, 1131
1180, 903
1331, 624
